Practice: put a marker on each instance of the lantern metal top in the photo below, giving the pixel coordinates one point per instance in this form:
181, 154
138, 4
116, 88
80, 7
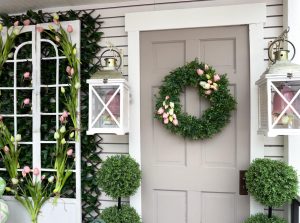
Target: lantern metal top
278, 55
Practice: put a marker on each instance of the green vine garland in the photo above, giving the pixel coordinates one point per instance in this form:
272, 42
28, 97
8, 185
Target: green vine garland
211, 86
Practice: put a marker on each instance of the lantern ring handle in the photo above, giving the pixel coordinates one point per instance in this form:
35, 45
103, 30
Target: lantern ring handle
279, 40
109, 50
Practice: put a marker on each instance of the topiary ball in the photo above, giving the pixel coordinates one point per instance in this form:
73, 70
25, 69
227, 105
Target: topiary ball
119, 176
272, 182
126, 214
261, 218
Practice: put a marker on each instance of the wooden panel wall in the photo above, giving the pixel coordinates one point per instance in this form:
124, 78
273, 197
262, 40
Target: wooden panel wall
113, 15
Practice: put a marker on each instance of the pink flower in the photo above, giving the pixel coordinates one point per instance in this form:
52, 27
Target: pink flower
26, 169
69, 29
72, 71
26, 75
206, 67
68, 69
160, 111
65, 114
216, 77
16, 23
167, 97
200, 72
166, 121
23, 173
209, 81
36, 171
26, 22
26, 101
175, 121
40, 29
208, 92
62, 119
70, 152
165, 115
6, 149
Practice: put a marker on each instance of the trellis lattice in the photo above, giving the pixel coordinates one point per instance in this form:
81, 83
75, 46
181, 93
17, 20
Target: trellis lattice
91, 148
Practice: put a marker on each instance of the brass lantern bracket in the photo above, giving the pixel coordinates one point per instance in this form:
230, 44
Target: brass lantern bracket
116, 55
278, 44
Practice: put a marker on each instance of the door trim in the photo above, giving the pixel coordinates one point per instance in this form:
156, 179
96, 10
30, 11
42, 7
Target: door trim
253, 15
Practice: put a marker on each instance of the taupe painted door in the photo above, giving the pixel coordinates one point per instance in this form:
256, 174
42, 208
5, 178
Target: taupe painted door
194, 181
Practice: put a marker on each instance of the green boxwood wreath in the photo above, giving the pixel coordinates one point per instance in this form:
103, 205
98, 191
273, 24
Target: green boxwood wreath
211, 86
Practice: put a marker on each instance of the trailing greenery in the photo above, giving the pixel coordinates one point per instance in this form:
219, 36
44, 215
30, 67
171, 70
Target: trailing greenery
90, 38
119, 176
271, 182
210, 85
126, 214
262, 218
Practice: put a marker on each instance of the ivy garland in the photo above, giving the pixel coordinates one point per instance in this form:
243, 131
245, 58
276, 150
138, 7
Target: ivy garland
211, 86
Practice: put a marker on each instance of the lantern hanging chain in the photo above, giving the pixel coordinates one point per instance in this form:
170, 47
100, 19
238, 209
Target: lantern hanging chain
281, 39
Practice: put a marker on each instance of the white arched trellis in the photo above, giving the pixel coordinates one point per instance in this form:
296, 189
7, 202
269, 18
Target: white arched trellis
67, 210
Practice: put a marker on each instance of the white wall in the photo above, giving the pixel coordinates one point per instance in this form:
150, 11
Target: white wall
114, 30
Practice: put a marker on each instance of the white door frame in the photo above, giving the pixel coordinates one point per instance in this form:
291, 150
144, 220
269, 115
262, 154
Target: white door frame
253, 15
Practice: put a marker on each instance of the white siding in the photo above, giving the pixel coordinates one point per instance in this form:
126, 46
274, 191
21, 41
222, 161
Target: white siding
113, 15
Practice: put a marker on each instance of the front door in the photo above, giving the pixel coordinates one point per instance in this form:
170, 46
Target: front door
188, 181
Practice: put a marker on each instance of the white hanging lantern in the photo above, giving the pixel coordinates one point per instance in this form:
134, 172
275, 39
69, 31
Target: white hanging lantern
279, 92
108, 97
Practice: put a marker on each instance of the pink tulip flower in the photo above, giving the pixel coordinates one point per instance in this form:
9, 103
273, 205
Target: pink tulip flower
160, 111
23, 173
68, 69
216, 77
200, 72
167, 97
175, 122
26, 75
65, 114
62, 119
208, 92
26, 169
26, 22
69, 29
26, 101
72, 71
16, 23
70, 152
36, 171
40, 29
6, 149
165, 115
166, 121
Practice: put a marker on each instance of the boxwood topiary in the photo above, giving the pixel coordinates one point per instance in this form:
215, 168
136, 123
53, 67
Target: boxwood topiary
119, 176
126, 214
272, 182
262, 218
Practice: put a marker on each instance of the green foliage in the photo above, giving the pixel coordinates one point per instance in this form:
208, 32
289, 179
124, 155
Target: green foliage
214, 119
126, 214
90, 37
261, 218
119, 176
272, 182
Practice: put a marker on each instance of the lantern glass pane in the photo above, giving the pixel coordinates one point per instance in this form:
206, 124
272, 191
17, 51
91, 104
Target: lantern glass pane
106, 106
285, 104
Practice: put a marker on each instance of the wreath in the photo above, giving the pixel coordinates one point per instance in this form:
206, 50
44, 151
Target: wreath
212, 86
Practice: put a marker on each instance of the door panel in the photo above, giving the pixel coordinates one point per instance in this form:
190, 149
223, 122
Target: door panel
188, 181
